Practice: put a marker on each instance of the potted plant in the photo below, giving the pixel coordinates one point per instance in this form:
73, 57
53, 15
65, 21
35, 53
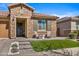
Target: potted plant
14, 48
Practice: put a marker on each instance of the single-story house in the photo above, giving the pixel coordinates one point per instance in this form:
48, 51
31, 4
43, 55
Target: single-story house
21, 21
66, 25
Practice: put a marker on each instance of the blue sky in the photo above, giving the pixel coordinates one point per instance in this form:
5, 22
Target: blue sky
58, 9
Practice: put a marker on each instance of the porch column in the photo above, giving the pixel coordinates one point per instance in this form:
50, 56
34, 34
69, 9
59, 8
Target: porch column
29, 28
12, 26
26, 28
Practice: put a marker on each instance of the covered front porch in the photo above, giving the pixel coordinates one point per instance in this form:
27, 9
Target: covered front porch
19, 27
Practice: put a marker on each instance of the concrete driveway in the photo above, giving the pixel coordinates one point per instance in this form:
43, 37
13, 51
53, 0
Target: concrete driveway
4, 46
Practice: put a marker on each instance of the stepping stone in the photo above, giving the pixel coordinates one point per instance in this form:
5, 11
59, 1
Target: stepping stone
25, 47
23, 40
24, 43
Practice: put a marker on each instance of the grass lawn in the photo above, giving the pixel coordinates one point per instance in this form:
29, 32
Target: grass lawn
45, 45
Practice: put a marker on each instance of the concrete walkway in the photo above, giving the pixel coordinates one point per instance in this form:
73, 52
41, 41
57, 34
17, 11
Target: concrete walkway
25, 47
54, 38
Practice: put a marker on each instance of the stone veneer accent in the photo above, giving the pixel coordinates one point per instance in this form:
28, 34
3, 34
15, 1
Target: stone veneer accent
52, 31
29, 28
12, 27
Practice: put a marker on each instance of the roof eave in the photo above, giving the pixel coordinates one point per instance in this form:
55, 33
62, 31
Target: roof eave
15, 5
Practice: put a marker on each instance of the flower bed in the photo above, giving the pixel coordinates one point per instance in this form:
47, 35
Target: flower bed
14, 48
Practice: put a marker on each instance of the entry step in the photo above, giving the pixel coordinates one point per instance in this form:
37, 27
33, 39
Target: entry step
24, 43
25, 47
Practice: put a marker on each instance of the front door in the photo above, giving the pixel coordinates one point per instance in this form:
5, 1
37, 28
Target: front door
20, 30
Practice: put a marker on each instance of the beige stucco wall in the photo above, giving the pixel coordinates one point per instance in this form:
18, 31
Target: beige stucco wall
73, 25
4, 28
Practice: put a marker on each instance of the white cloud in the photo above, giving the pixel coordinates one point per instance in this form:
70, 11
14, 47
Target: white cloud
64, 15
76, 13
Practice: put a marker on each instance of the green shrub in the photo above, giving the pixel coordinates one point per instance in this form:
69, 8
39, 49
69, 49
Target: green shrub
14, 45
73, 35
14, 48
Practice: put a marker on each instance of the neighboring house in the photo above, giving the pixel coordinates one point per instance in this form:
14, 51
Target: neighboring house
67, 25
21, 21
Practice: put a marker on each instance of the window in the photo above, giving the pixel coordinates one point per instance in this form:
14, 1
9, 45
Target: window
40, 25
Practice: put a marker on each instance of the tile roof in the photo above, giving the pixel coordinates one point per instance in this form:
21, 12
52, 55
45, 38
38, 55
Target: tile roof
38, 15
63, 19
4, 13
75, 18
35, 15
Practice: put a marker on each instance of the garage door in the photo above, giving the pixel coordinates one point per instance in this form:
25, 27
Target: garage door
4, 29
